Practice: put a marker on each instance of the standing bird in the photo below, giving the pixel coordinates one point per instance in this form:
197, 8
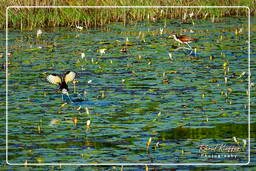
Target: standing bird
62, 81
183, 39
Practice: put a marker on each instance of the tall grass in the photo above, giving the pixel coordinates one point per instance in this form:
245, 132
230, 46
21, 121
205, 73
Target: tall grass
92, 17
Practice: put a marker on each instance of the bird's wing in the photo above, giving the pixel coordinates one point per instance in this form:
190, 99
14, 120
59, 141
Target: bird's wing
186, 38
69, 76
54, 79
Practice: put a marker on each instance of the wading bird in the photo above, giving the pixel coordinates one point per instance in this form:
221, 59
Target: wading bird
183, 39
56, 79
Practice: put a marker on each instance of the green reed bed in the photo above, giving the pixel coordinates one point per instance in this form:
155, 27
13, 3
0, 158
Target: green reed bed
91, 17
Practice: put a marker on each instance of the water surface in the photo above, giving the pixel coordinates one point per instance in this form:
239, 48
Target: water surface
180, 102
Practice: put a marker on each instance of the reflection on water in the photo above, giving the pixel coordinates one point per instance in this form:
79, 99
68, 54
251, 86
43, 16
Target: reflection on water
128, 95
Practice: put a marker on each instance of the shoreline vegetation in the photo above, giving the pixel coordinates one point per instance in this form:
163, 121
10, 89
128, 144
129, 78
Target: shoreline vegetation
33, 18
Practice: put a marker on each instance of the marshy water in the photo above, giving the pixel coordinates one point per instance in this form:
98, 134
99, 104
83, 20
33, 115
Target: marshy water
147, 102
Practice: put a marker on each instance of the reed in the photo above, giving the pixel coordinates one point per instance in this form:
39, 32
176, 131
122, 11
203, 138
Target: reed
30, 19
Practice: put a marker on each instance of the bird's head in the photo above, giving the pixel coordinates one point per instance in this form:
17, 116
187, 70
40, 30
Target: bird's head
64, 91
173, 35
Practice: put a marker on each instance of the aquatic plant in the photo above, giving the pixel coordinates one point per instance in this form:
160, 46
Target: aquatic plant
31, 18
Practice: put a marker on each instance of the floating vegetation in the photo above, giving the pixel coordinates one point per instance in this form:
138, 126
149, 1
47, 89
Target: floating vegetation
54, 122
75, 120
79, 108
64, 104
39, 129
148, 143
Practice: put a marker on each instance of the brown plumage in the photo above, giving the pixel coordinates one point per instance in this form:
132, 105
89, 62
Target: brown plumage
184, 38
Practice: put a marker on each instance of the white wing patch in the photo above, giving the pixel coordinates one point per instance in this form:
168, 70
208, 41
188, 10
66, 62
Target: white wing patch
69, 76
53, 79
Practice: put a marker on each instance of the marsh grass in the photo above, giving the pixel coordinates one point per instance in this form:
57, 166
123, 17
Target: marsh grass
29, 19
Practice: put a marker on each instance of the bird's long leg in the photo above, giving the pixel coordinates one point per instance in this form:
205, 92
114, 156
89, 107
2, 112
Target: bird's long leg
190, 52
188, 45
66, 93
69, 98
182, 48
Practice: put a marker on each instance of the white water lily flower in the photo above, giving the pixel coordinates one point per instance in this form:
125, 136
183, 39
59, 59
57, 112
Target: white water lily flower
87, 111
161, 30
159, 114
157, 144
88, 122
102, 51
191, 14
170, 56
39, 32
82, 55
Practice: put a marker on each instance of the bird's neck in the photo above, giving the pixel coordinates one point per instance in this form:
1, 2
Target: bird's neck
175, 37
63, 86
178, 40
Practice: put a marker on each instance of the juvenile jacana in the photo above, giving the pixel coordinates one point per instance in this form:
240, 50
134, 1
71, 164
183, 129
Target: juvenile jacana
183, 39
62, 81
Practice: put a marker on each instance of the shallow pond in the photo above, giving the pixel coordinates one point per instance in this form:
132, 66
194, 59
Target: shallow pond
144, 87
